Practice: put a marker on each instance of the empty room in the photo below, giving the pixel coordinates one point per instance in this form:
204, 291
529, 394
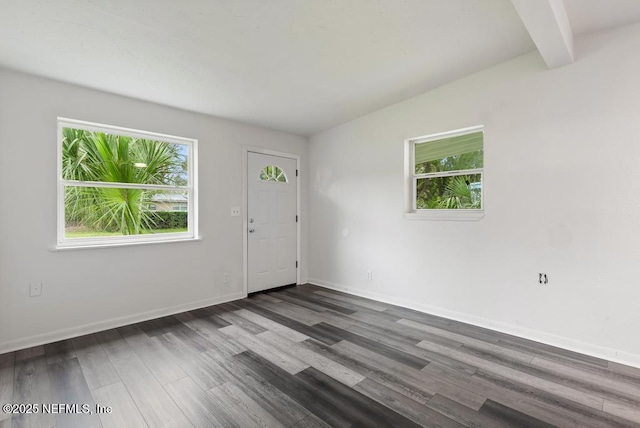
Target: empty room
312, 213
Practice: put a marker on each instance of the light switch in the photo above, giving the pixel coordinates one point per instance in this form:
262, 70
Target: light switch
235, 211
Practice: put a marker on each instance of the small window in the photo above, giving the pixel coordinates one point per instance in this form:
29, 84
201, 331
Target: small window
273, 173
116, 186
446, 173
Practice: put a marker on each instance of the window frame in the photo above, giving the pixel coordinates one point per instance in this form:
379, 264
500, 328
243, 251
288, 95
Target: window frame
411, 180
108, 241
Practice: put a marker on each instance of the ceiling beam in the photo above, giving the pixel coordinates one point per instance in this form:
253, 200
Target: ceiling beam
548, 24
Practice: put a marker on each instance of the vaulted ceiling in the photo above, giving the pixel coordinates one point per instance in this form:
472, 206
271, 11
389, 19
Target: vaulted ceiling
300, 66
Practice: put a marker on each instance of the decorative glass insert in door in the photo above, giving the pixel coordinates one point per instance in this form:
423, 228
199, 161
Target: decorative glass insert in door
273, 173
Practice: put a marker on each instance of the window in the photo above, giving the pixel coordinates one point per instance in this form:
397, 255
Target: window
273, 173
120, 186
445, 175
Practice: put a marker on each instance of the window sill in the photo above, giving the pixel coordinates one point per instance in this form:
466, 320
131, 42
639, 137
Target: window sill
106, 244
445, 215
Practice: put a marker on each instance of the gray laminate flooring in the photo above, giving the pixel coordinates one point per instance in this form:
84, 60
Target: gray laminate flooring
311, 357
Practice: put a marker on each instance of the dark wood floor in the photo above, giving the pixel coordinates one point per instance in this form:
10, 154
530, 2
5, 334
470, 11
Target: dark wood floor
311, 357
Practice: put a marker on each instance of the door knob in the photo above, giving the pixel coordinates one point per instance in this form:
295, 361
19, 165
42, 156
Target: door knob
251, 230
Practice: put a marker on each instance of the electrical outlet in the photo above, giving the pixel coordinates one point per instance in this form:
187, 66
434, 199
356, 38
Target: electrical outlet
225, 277
35, 289
235, 211
370, 275
543, 279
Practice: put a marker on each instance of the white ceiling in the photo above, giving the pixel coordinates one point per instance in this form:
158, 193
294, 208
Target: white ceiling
300, 66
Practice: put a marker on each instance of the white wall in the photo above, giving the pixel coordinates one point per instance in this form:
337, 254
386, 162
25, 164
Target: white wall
88, 290
562, 196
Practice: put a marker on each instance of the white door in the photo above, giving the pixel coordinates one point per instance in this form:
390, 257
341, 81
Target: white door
272, 209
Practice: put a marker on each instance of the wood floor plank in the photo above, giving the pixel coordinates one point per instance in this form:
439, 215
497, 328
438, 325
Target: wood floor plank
270, 325
627, 371
269, 352
553, 353
462, 414
607, 372
414, 350
587, 388
113, 344
549, 350
331, 304
311, 331
542, 404
297, 313
96, 366
511, 416
337, 319
154, 356
629, 389
481, 333
155, 405
443, 323
266, 297
437, 385
418, 413
379, 347
234, 319
367, 303
303, 303
7, 364
124, 411
203, 370
59, 351
204, 314
277, 403
515, 355
31, 386
159, 326
68, 386
309, 422
327, 410
382, 315
313, 359
555, 388
34, 351
222, 344
357, 407
201, 409
297, 298
401, 331
538, 403
409, 388
631, 413
191, 339
241, 407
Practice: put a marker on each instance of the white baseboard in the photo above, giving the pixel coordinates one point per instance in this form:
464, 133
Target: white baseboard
569, 344
81, 330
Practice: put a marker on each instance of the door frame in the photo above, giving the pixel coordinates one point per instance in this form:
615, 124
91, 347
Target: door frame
245, 209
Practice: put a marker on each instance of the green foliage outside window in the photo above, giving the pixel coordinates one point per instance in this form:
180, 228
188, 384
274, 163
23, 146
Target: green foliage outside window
451, 192
107, 158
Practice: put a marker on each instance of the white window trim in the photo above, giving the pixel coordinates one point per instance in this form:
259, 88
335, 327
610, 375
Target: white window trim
115, 241
410, 178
